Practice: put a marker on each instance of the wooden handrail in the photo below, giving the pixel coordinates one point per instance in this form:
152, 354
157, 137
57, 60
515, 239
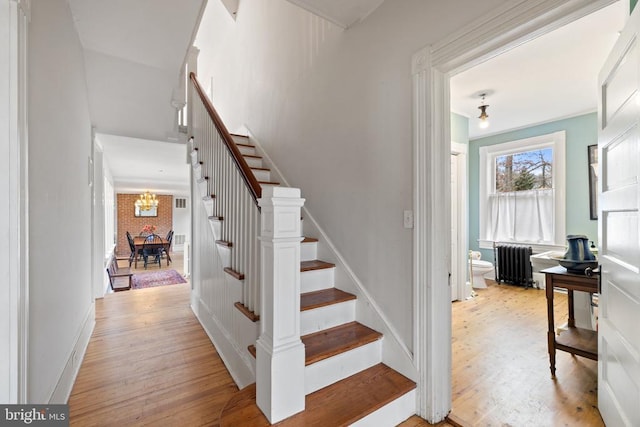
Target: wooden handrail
238, 158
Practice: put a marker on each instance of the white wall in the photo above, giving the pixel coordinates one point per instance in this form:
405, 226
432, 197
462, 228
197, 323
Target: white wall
60, 198
116, 84
181, 221
333, 109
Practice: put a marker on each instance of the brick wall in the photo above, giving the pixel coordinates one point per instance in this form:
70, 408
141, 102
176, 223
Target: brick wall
127, 221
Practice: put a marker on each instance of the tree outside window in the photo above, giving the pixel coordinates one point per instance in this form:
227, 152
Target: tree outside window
529, 170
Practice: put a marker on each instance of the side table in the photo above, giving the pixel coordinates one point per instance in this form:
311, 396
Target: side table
578, 341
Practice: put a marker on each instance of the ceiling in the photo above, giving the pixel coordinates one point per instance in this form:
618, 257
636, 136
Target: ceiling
134, 52
549, 78
340, 12
138, 165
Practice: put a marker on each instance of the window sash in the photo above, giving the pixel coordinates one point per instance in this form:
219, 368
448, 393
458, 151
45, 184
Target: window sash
487, 185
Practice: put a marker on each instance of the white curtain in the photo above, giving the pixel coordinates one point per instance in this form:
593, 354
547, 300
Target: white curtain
521, 216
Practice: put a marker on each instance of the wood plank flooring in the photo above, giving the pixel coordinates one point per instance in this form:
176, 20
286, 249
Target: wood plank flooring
501, 365
149, 362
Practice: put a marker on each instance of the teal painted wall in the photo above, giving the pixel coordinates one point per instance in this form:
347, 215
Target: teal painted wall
459, 128
633, 4
581, 132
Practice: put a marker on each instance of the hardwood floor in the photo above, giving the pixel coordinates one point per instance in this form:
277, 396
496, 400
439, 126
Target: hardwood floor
177, 263
501, 366
149, 362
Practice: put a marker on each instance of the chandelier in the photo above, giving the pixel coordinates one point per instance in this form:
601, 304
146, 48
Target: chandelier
147, 201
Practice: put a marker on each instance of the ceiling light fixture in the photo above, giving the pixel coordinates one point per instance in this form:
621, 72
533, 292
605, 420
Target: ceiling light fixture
147, 201
484, 117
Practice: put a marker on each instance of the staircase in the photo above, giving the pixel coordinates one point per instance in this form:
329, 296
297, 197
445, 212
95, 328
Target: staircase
345, 381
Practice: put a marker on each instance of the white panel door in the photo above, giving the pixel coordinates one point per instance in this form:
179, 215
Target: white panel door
618, 230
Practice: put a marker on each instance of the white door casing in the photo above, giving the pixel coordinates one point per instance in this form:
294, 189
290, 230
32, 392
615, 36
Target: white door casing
507, 26
619, 230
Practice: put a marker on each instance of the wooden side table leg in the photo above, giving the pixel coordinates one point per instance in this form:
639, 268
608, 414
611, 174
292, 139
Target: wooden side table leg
571, 322
551, 337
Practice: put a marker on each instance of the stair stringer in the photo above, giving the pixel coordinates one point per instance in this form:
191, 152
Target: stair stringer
214, 293
395, 353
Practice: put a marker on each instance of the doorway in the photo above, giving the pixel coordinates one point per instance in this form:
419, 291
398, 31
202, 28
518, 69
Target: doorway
510, 26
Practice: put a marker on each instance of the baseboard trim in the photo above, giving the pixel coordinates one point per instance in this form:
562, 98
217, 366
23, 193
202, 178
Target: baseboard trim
64, 386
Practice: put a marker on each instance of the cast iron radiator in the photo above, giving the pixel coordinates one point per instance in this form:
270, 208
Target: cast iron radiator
513, 265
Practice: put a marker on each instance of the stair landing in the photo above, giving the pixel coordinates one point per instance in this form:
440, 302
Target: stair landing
339, 404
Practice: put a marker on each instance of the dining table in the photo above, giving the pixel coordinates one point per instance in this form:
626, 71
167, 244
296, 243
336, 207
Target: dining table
138, 241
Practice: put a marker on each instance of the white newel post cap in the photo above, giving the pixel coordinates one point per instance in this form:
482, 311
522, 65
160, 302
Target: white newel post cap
280, 212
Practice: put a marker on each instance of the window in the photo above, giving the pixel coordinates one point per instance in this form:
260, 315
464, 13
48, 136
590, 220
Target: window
522, 192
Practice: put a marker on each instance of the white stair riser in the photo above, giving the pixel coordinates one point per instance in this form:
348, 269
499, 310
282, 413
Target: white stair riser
208, 207
262, 175
391, 414
239, 139
309, 251
202, 188
326, 372
225, 255
263, 185
244, 150
217, 228
315, 280
327, 317
254, 162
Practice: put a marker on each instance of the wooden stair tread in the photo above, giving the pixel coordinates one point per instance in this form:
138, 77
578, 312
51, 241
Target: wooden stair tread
339, 404
238, 135
224, 243
232, 272
252, 156
309, 239
324, 297
324, 344
268, 183
260, 169
245, 145
339, 339
216, 218
316, 264
250, 314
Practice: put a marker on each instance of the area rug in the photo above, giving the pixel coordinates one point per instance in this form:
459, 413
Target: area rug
156, 278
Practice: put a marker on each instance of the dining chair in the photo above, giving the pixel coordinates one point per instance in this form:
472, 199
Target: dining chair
132, 247
152, 247
167, 248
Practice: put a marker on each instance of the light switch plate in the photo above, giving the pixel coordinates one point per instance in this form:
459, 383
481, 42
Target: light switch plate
408, 219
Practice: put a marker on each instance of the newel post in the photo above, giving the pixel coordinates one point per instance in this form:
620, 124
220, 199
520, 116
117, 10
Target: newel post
279, 350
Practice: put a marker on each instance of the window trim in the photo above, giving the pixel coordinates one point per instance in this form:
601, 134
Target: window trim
557, 141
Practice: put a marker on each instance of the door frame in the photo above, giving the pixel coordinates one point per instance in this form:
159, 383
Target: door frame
504, 28
462, 218
14, 188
